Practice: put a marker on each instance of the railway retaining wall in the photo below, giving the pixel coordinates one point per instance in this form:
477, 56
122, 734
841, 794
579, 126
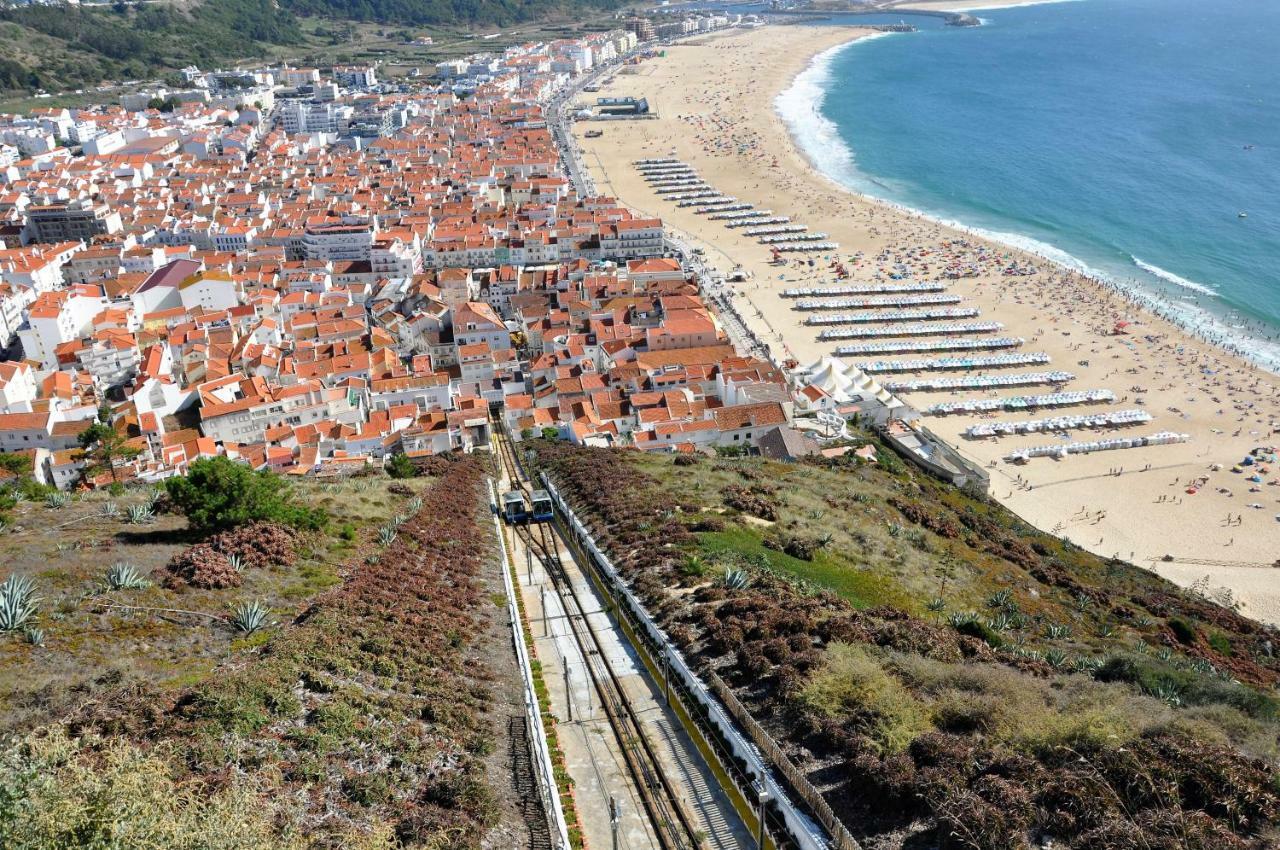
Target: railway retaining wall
762, 760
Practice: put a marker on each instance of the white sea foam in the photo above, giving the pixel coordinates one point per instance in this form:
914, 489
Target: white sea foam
819, 139
800, 107
1176, 280
995, 7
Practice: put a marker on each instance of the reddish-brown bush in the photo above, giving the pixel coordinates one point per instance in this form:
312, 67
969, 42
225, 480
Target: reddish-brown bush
208, 565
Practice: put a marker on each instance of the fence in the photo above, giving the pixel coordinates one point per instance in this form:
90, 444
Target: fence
723, 712
779, 761
542, 768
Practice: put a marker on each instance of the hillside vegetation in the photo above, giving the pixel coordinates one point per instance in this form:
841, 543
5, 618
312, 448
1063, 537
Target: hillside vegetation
467, 12
945, 674
63, 47
371, 714
74, 46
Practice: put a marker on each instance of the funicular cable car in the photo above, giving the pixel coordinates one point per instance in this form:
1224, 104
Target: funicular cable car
541, 509
514, 510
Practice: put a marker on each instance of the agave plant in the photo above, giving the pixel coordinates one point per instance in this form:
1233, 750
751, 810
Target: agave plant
236, 563
1000, 599
33, 636
937, 605
1057, 631
414, 505
1166, 691
248, 617
958, 619
736, 579
1056, 658
140, 514
1085, 664
110, 510
125, 576
57, 500
154, 497
18, 496
1001, 622
18, 602
386, 535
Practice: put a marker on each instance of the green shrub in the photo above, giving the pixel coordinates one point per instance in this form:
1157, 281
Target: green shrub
852, 685
975, 627
401, 467
1182, 630
1220, 643
217, 494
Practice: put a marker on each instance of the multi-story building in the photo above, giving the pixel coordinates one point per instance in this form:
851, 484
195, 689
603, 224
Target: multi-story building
72, 221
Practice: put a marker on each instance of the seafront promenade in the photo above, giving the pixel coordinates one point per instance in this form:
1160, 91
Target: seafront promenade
716, 105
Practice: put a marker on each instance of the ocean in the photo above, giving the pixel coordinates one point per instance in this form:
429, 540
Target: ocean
1121, 137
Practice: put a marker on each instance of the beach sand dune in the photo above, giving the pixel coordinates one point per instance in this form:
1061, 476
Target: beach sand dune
716, 104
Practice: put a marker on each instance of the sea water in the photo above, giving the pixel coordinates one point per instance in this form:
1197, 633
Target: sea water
1122, 137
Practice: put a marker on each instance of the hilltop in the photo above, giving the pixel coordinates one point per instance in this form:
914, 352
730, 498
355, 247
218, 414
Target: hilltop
63, 47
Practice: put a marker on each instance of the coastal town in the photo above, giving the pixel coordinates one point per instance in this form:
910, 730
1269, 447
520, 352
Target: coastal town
298, 271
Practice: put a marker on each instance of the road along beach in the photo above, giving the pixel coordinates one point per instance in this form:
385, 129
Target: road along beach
718, 103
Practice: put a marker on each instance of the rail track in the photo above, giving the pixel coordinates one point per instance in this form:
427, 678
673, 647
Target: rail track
521, 766
671, 823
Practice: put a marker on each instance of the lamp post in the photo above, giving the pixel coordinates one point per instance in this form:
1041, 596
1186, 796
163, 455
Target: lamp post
762, 797
615, 817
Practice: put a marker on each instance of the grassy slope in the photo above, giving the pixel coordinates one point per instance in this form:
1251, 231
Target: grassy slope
942, 668
89, 647
377, 714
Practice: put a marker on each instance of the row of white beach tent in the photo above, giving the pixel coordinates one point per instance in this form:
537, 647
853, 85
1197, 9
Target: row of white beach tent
979, 382
879, 301
939, 364
806, 246
773, 230
730, 206
668, 173
1164, 438
922, 346
681, 180
733, 217
910, 330
792, 237
701, 193
929, 314
860, 289
777, 219
696, 186
1118, 419
714, 201
1022, 402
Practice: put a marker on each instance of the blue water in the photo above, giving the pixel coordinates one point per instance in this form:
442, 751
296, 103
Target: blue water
1113, 131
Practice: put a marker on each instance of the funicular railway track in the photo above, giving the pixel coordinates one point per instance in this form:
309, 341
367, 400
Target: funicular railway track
671, 824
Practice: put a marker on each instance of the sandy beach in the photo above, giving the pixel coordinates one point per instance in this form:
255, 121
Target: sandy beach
716, 102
